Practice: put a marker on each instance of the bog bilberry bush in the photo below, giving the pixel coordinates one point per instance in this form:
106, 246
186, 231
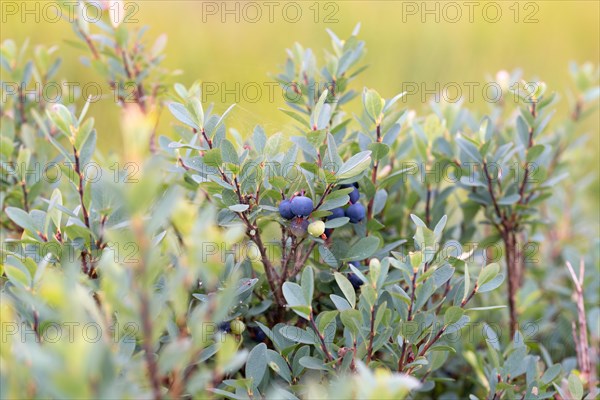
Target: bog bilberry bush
346, 271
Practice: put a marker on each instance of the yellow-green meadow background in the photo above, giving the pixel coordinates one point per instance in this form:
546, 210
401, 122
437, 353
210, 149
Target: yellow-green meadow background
425, 43
401, 48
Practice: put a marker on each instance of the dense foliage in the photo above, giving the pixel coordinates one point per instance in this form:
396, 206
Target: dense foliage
379, 255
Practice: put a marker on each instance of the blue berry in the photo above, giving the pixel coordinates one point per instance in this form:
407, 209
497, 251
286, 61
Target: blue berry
224, 327
302, 206
336, 213
257, 334
355, 280
285, 209
298, 227
328, 232
356, 212
354, 195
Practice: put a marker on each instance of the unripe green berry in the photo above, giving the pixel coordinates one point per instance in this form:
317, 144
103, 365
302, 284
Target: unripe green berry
237, 327
316, 228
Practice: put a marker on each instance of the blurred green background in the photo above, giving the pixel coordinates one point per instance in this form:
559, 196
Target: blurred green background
209, 44
401, 48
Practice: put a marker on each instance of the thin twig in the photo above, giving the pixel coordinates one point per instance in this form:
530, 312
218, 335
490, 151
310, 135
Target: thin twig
321, 339
371, 336
373, 180
439, 334
302, 260
581, 340
88, 41
147, 346
427, 206
252, 232
25, 195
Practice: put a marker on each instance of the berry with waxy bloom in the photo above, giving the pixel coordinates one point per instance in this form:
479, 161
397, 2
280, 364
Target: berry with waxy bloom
356, 212
354, 195
336, 213
301, 206
355, 280
298, 227
285, 209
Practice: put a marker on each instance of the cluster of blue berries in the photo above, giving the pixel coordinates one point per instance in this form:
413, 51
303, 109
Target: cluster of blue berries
355, 211
299, 206
298, 209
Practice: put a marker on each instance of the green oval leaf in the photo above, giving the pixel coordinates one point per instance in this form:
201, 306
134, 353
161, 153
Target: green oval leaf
355, 165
